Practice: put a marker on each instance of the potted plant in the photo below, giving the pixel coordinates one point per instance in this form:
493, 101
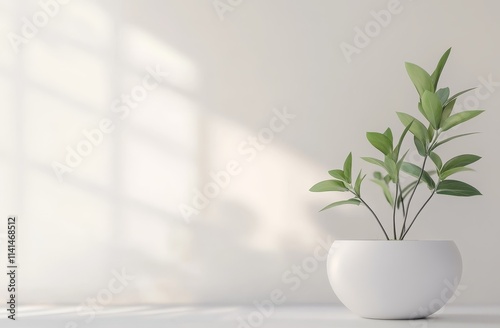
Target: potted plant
396, 278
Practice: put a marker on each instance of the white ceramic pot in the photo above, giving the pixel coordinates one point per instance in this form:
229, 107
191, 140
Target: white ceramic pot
394, 279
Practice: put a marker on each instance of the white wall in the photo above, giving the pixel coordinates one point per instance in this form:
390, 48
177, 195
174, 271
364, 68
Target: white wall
119, 208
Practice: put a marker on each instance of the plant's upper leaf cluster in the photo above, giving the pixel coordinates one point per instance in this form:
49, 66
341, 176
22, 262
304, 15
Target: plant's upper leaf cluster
342, 183
436, 106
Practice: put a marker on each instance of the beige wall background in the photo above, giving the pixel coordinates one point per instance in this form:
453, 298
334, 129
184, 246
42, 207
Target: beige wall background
228, 72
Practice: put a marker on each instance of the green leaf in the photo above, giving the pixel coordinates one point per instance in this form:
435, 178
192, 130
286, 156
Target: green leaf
328, 185
451, 138
380, 141
420, 108
406, 190
348, 168
449, 172
357, 184
352, 201
455, 96
378, 175
447, 110
432, 108
417, 128
420, 78
437, 72
386, 191
420, 146
401, 138
443, 95
400, 162
392, 168
374, 161
456, 188
338, 174
459, 118
414, 171
460, 161
436, 159
430, 132
388, 134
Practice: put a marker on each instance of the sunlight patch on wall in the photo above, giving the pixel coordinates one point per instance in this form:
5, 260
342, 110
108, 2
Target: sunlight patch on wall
169, 116
71, 72
7, 117
7, 25
85, 22
8, 191
144, 49
119, 207
145, 236
152, 174
83, 215
73, 226
266, 191
53, 131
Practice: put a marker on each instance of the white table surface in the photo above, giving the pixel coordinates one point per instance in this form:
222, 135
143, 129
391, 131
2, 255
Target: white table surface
226, 316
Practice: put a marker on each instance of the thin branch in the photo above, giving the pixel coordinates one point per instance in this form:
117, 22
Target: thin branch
375, 215
404, 211
402, 200
414, 189
394, 212
431, 146
428, 199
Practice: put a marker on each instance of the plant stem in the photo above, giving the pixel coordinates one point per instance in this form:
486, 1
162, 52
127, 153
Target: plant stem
404, 231
394, 212
404, 210
375, 215
428, 199
402, 200
413, 193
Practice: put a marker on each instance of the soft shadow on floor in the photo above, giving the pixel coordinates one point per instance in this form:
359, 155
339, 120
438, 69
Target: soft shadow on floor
490, 318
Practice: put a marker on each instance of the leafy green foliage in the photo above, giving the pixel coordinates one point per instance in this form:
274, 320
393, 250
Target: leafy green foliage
445, 174
380, 141
348, 168
420, 78
420, 147
352, 201
357, 185
401, 161
329, 185
416, 171
374, 161
436, 106
443, 95
385, 189
456, 188
431, 132
460, 118
455, 96
448, 108
460, 161
392, 168
437, 160
338, 174
400, 142
432, 108
388, 134
417, 128
437, 72
451, 138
